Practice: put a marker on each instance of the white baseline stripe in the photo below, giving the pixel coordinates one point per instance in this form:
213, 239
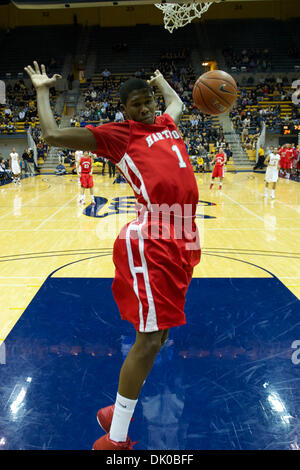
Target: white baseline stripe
61, 208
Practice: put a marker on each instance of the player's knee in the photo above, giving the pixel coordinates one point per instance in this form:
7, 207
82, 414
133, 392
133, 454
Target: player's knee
150, 345
153, 346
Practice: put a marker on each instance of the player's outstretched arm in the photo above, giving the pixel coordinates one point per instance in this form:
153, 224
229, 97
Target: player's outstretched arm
174, 105
73, 137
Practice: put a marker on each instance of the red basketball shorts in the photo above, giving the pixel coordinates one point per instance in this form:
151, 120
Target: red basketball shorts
152, 275
286, 164
86, 180
218, 171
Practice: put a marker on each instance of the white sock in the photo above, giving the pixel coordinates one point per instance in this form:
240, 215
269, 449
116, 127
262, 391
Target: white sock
124, 409
272, 193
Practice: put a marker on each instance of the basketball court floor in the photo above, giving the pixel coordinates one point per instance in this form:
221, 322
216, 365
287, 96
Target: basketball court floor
228, 379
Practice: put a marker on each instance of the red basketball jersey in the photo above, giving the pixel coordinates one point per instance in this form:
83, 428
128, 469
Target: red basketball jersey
85, 164
220, 159
153, 158
289, 154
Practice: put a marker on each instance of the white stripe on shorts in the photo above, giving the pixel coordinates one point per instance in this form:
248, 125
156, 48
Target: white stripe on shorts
151, 322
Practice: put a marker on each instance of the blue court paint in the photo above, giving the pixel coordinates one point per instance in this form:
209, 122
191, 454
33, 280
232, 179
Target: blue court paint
225, 380
92, 210
126, 205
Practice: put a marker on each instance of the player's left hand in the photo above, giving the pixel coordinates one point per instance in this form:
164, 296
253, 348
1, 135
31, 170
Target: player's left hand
155, 78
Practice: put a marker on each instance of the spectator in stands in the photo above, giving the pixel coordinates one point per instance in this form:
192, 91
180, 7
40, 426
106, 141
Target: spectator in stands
25, 161
208, 162
21, 114
10, 128
104, 161
30, 162
40, 149
111, 169
119, 116
200, 164
228, 151
61, 157
60, 170
106, 73
260, 164
4, 172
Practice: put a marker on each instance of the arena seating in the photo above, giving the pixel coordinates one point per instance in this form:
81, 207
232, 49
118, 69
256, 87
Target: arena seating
123, 59
273, 108
49, 52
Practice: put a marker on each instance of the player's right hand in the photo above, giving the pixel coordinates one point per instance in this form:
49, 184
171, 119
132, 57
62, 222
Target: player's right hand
39, 78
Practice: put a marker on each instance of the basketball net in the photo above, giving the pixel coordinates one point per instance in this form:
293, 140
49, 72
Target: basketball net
177, 15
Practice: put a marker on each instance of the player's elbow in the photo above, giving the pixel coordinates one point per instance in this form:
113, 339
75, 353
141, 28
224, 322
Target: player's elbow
180, 106
51, 137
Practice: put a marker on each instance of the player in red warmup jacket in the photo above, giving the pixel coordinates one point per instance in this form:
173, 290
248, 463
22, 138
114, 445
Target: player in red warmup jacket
288, 162
295, 156
282, 162
219, 161
155, 254
85, 171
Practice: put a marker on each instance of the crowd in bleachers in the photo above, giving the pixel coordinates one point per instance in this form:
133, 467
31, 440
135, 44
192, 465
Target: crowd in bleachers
263, 103
200, 132
19, 113
248, 60
20, 108
99, 104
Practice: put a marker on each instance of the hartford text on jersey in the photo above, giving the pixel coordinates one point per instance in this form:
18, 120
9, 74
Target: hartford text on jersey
156, 136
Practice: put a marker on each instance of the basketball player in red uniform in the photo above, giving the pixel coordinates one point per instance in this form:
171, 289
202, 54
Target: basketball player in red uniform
85, 171
295, 156
219, 161
288, 162
281, 152
153, 268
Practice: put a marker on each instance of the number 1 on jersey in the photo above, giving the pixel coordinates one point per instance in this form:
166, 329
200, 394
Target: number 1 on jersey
182, 163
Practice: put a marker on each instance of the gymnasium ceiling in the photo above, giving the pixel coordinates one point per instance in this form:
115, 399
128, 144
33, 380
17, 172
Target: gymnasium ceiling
49, 4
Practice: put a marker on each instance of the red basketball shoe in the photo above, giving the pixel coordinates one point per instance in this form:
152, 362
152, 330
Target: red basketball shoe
105, 443
104, 417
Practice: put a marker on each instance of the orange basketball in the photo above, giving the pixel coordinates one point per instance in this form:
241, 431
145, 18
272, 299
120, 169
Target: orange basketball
214, 92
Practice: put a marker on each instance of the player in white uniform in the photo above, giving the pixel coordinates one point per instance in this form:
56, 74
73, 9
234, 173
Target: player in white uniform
14, 165
272, 162
78, 156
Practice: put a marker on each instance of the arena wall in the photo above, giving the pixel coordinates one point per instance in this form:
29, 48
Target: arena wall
11, 16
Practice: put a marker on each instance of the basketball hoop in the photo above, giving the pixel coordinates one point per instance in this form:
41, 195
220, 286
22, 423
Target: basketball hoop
177, 15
